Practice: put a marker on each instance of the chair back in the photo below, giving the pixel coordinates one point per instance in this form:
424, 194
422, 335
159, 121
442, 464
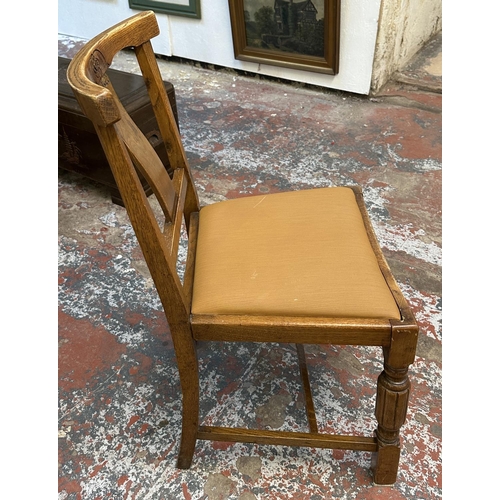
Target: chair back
128, 152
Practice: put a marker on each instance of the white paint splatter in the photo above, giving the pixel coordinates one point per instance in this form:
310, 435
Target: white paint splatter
404, 238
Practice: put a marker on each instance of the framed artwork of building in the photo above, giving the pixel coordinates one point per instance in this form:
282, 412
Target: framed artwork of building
186, 8
298, 34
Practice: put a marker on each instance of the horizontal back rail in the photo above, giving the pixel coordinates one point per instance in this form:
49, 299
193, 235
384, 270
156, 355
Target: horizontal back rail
91, 63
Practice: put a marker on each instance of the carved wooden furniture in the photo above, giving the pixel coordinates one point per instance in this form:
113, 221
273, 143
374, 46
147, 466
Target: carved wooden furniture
79, 149
301, 267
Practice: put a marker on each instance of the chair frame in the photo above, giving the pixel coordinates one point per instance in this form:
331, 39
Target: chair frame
127, 152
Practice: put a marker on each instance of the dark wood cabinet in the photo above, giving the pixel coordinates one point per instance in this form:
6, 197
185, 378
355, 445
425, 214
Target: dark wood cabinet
79, 149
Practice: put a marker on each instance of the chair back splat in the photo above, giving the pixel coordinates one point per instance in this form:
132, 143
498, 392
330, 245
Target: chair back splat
248, 278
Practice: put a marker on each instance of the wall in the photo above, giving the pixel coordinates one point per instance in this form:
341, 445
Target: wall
209, 39
405, 26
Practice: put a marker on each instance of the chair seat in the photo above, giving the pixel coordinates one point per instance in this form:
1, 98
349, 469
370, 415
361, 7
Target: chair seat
300, 253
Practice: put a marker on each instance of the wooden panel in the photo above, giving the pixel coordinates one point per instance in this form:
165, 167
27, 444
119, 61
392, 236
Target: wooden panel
287, 438
172, 229
291, 330
166, 122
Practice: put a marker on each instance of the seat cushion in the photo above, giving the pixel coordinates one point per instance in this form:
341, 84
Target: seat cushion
300, 253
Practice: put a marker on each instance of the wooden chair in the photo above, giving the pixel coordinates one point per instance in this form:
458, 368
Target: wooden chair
300, 267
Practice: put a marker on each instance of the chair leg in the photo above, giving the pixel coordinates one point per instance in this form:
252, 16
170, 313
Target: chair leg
390, 411
187, 362
393, 391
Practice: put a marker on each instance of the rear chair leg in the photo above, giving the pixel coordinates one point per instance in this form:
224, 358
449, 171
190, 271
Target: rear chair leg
187, 362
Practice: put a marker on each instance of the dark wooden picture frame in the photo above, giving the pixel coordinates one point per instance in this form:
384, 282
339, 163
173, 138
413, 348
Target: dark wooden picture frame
287, 33
191, 8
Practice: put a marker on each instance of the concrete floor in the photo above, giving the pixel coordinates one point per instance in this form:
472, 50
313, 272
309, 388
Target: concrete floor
119, 395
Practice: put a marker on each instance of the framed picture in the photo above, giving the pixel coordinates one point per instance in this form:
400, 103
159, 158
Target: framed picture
298, 34
186, 8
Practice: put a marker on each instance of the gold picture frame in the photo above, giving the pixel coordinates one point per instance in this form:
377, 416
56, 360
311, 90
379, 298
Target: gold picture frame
295, 34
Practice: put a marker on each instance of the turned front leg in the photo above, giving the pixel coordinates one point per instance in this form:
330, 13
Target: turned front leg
393, 392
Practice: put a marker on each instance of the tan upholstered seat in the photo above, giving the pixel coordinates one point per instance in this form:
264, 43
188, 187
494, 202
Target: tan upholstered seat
300, 253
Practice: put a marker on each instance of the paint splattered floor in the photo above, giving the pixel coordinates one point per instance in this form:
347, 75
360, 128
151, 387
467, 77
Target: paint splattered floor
119, 394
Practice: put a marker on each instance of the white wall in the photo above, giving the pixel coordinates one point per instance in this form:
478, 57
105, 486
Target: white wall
405, 26
209, 39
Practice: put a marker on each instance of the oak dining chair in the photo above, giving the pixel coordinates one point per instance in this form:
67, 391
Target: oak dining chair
301, 267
